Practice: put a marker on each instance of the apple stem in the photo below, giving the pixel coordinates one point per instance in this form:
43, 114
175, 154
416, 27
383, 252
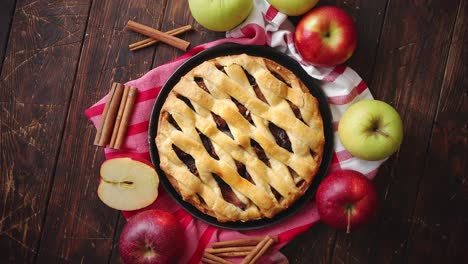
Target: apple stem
348, 226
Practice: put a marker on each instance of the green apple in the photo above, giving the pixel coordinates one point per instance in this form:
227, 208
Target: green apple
220, 15
371, 130
293, 7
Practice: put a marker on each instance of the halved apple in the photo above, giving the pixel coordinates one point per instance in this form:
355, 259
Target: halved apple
127, 184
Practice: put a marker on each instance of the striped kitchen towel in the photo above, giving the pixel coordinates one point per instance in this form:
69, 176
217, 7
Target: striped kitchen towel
264, 26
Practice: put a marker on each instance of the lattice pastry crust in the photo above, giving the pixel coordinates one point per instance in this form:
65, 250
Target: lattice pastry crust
240, 137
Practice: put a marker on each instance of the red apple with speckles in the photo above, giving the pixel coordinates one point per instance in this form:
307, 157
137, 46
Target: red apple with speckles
151, 237
346, 200
326, 36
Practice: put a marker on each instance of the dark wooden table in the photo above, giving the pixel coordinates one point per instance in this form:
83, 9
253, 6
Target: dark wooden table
58, 57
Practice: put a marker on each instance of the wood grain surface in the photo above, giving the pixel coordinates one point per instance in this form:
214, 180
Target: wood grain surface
439, 223
58, 57
90, 228
45, 40
7, 9
409, 73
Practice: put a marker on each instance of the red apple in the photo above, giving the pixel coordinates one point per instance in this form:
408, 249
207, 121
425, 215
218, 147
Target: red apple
326, 36
346, 199
128, 184
151, 237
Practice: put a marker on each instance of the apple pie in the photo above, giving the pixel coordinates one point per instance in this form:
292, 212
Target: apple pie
240, 138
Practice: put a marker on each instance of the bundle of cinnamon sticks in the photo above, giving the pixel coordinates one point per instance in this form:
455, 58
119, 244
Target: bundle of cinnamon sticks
250, 248
156, 36
116, 116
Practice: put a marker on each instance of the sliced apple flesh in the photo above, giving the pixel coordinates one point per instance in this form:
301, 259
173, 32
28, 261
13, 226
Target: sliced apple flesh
127, 184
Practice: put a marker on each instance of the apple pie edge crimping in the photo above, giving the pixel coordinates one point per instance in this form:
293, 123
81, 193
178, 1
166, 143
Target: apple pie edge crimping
240, 138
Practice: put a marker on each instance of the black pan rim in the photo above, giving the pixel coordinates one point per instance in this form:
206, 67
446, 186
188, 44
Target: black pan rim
282, 59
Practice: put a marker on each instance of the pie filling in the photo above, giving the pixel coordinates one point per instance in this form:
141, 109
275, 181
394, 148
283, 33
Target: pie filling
256, 176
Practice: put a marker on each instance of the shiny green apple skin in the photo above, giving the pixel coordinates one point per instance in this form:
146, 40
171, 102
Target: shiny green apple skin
220, 15
293, 7
371, 130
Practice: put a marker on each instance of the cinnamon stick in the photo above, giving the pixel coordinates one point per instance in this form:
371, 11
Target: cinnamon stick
156, 34
111, 115
228, 249
237, 243
262, 251
209, 261
233, 254
104, 114
215, 258
259, 250
119, 116
149, 41
126, 115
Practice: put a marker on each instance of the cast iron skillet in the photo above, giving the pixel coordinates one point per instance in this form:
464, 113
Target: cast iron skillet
261, 51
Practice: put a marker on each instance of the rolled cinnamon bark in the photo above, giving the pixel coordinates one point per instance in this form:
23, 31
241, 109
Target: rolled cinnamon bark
228, 249
209, 261
233, 254
150, 41
237, 243
118, 119
259, 250
127, 113
111, 115
104, 114
262, 251
156, 34
215, 258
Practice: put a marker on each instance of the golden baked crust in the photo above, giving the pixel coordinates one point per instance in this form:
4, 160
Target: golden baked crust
240, 137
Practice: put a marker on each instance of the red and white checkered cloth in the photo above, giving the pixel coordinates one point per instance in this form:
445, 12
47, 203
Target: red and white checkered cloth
265, 26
